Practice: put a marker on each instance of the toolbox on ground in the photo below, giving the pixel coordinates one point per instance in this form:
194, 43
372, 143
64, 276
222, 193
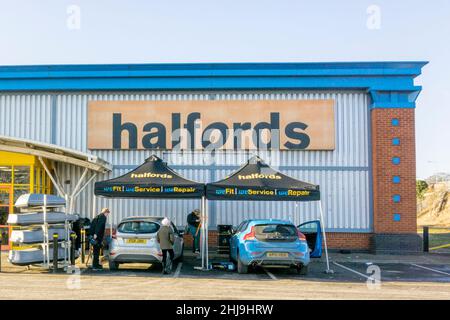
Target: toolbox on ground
224, 234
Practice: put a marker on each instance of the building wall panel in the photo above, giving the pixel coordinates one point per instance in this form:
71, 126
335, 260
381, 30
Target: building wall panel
343, 174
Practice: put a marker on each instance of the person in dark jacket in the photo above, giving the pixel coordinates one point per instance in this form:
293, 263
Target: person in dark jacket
98, 226
77, 226
166, 240
193, 220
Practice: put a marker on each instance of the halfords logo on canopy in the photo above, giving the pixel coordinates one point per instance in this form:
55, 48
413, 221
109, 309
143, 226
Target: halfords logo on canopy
151, 175
259, 176
197, 125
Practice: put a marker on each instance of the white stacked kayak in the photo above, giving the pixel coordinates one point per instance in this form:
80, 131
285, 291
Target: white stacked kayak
36, 235
31, 218
27, 234
31, 200
32, 256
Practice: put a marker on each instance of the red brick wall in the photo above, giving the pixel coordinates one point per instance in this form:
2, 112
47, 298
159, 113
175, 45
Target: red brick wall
212, 239
344, 240
335, 240
383, 170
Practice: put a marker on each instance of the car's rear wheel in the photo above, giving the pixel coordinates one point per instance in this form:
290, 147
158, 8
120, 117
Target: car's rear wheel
113, 265
303, 270
241, 267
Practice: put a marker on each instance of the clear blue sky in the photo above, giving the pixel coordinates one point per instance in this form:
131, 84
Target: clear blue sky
133, 31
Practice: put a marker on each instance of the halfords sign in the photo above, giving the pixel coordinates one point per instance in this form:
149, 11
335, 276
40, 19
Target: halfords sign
198, 125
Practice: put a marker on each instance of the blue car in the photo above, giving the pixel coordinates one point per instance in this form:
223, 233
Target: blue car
275, 243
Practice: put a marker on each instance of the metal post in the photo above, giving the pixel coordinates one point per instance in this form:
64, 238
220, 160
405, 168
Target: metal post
206, 235
55, 252
55, 183
202, 233
426, 239
322, 223
46, 248
73, 237
83, 245
1, 243
67, 247
93, 207
85, 185
110, 230
77, 187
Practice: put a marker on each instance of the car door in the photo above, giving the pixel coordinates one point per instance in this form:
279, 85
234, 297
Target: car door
177, 244
234, 240
313, 233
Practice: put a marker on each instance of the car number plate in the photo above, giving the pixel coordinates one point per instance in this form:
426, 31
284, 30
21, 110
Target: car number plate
136, 241
277, 255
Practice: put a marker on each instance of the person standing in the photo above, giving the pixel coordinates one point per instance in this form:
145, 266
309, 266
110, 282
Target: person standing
193, 220
97, 232
165, 238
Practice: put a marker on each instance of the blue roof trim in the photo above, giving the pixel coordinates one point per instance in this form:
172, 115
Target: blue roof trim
391, 84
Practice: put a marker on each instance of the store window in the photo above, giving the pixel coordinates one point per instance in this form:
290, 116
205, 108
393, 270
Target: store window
4, 197
22, 175
5, 174
19, 179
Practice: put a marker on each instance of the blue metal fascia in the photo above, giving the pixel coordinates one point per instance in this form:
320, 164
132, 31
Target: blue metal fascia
36, 74
210, 76
216, 83
390, 84
394, 98
272, 68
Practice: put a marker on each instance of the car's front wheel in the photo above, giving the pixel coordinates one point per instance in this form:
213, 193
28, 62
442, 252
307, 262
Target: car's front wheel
241, 267
113, 265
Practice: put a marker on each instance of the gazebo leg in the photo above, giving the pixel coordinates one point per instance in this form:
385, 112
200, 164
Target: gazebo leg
204, 236
322, 223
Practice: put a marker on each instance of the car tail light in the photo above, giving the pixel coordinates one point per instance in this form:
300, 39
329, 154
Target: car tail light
301, 236
114, 234
250, 235
159, 253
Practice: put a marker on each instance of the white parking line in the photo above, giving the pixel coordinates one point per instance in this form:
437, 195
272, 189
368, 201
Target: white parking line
177, 271
434, 270
354, 271
270, 274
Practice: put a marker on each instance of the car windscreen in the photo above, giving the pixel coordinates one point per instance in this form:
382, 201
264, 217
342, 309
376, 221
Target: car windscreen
276, 232
138, 227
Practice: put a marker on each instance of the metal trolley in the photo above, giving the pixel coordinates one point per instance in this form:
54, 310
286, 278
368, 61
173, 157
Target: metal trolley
57, 252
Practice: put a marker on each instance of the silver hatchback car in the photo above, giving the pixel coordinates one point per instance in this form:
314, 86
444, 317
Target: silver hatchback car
135, 242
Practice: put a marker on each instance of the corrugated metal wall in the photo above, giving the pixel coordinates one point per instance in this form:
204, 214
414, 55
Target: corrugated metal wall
343, 174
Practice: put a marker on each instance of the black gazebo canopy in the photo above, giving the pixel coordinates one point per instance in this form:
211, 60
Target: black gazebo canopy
258, 181
152, 179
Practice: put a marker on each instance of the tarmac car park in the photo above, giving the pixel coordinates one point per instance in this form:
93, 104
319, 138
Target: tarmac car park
424, 276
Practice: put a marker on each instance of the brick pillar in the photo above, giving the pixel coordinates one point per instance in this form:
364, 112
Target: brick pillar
394, 181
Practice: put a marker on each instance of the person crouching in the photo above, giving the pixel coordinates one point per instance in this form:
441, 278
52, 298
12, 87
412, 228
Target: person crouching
165, 238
